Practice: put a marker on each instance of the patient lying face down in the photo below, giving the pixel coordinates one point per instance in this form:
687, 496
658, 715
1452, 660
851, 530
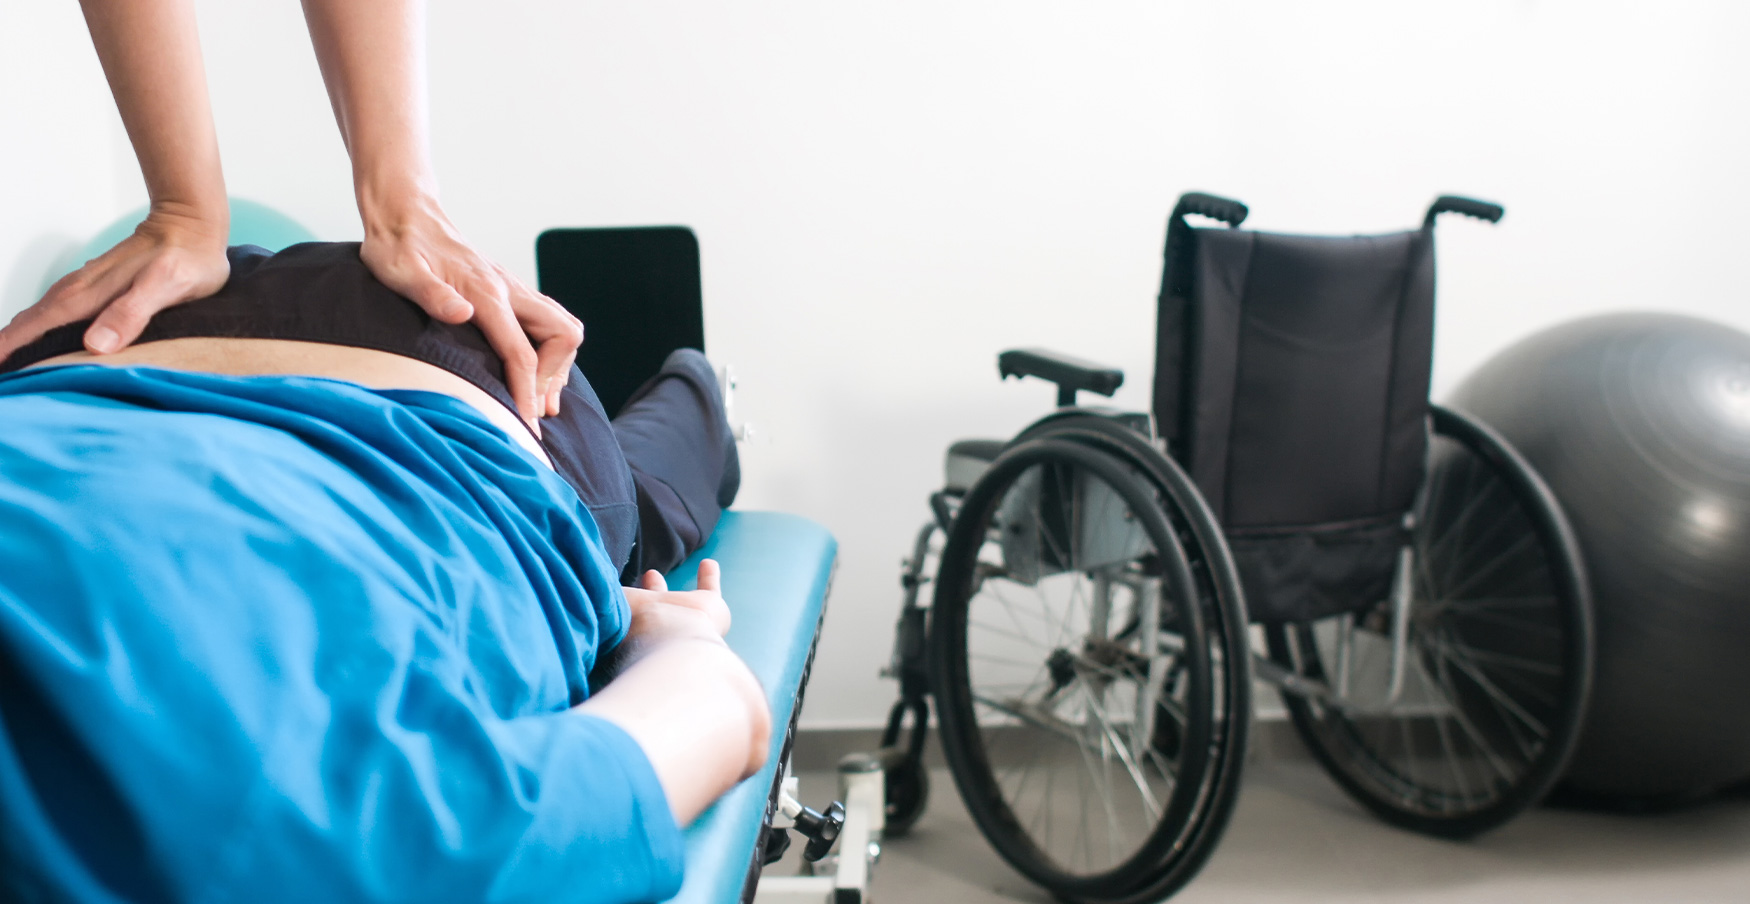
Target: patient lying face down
293, 605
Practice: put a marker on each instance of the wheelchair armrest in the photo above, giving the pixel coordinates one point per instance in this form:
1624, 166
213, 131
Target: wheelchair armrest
1071, 374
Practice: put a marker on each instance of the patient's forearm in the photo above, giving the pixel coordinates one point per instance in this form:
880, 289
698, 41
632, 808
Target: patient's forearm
697, 712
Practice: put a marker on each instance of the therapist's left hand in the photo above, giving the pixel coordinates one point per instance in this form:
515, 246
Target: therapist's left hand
414, 249
176, 254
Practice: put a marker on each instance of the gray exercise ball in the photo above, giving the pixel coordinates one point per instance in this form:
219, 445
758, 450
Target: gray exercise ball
1640, 423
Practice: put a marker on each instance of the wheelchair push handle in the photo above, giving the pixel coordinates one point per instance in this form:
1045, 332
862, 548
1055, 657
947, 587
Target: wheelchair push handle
1227, 210
1470, 207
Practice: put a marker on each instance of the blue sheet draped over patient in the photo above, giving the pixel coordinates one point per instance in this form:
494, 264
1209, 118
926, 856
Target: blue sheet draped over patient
283, 638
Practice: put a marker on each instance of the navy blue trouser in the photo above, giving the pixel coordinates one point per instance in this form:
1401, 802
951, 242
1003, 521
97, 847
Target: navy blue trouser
675, 435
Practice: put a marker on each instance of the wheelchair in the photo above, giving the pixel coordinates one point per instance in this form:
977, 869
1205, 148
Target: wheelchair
1096, 582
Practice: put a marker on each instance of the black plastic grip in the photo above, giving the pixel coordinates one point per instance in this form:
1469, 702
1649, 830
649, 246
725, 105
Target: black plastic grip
1470, 207
1071, 374
1227, 210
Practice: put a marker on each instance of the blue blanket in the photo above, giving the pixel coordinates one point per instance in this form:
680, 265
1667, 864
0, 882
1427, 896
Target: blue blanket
282, 638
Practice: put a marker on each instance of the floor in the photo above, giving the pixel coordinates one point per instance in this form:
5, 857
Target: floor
1296, 837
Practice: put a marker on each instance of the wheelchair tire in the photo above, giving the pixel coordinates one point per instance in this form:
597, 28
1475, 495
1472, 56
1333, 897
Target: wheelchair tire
1501, 651
1061, 556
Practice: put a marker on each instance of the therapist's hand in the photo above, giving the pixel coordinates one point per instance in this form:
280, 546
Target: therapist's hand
414, 249
171, 258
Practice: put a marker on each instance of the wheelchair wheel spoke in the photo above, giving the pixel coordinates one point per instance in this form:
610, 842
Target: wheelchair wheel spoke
1489, 568
1480, 520
1449, 527
1080, 852
999, 660
1066, 631
1173, 710
1528, 688
1433, 501
1509, 708
1455, 531
1486, 545
1045, 809
1509, 611
1526, 752
1014, 612
1480, 742
1497, 604
1495, 659
1122, 751
1169, 772
1408, 746
1025, 772
1453, 764
1041, 525
1094, 774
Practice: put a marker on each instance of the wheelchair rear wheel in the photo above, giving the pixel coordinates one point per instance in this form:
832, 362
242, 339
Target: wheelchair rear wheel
1087, 647
1498, 664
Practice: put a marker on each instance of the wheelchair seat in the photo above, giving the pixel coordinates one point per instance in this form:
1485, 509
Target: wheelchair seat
969, 458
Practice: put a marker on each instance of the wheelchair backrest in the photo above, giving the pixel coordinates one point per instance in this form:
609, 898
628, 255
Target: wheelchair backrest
1291, 372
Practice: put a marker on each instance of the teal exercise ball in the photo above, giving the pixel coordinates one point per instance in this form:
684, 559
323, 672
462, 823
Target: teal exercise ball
1640, 424
252, 223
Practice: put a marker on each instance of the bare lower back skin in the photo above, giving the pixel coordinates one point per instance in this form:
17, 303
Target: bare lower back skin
364, 366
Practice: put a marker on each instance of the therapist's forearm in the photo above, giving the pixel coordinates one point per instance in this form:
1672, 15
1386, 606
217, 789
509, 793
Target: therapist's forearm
151, 55
372, 56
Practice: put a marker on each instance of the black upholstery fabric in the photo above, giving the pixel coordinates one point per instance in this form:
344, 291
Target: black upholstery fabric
1306, 574
1292, 383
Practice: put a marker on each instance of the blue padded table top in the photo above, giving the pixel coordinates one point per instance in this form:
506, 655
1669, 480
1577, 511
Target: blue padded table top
776, 569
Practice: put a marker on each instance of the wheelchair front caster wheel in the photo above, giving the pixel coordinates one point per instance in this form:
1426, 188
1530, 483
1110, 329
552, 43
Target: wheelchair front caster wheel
908, 790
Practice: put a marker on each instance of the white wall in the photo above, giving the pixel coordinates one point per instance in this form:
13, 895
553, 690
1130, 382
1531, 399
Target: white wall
889, 193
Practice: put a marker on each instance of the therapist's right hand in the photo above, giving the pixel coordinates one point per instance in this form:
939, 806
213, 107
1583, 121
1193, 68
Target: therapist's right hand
172, 257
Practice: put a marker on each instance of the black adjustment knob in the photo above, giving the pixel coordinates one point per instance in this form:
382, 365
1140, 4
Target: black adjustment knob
777, 842
822, 829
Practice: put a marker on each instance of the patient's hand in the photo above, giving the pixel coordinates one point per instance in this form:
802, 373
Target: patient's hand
661, 616
411, 246
172, 257
653, 591
684, 696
